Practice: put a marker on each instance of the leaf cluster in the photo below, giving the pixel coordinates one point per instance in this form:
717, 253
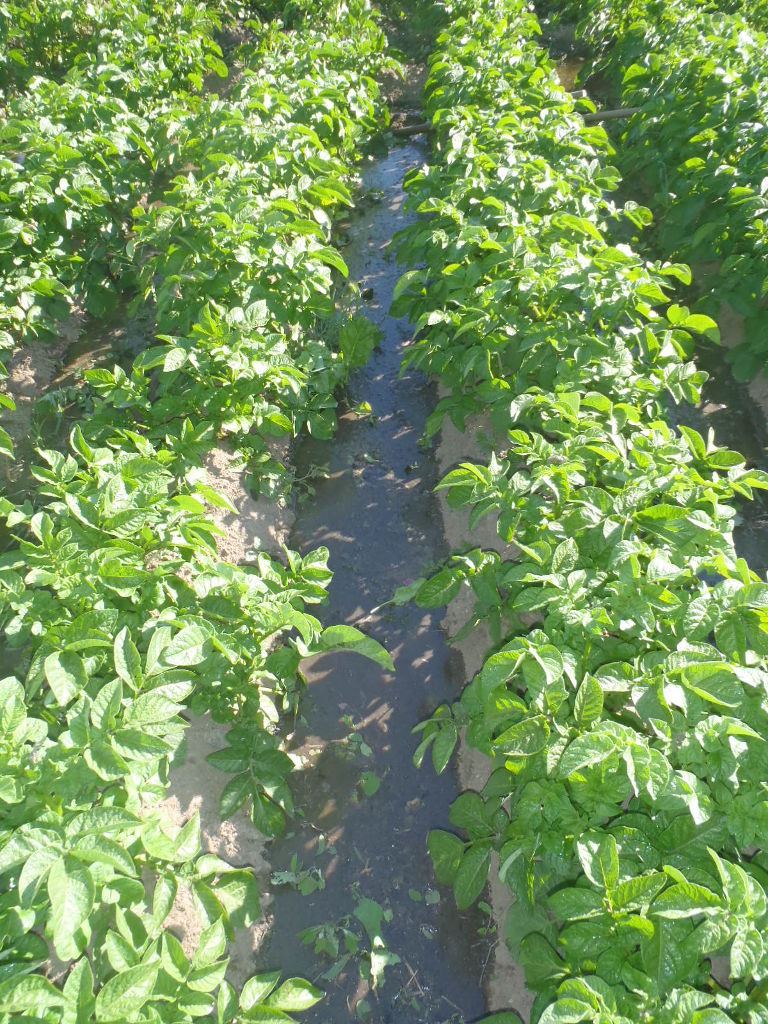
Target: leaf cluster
623, 704
118, 616
698, 145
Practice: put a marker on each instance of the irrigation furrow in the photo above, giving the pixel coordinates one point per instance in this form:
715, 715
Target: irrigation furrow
375, 511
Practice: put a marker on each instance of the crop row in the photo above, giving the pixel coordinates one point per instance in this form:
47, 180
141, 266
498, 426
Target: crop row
47, 37
753, 11
623, 706
118, 616
238, 258
699, 145
88, 213
80, 148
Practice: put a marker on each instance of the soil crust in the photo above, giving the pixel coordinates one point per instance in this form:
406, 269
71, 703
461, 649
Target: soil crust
505, 984
195, 786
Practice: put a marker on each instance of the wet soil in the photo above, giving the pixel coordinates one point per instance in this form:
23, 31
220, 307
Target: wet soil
375, 510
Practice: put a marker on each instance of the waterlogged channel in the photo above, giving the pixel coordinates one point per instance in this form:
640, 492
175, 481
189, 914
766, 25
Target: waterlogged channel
368, 810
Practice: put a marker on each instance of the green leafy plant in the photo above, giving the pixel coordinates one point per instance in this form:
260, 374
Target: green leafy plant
621, 704
304, 880
701, 159
118, 616
343, 941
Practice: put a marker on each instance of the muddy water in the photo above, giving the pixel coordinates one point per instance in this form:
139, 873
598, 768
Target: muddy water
376, 513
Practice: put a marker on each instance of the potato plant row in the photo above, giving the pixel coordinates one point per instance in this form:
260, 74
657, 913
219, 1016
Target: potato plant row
623, 704
237, 258
698, 147
753, 11
47, 37
84, 141
118, 617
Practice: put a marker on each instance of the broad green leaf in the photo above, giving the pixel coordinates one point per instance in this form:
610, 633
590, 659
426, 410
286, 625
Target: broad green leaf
446, 851
589, 702
638, 891
257, 988
599, 858
444, 745
544, 666
6, 444
66, 675
78, 989
542, 965
163, 897
702, 325
266, 815
591, 748
71, 891
524, 739
187, 841
468, 812
357, 340
567, 1011
125, 993
347, 638
370, 914
747, 951
211, 945
29, 994
439, 590
294, 994
127, 659
12, 709
98, 849
685, 899
150, 708
565, 556
472, 874
234, 794
574, 903
370, 783
188, 647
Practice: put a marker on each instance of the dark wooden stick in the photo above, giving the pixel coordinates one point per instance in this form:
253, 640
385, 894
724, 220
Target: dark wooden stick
610, 115
412, 129
600, 115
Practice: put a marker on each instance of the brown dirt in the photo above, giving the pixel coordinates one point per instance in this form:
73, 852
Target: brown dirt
195, 787
568, 70
260, 524
404, 92
32, 370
